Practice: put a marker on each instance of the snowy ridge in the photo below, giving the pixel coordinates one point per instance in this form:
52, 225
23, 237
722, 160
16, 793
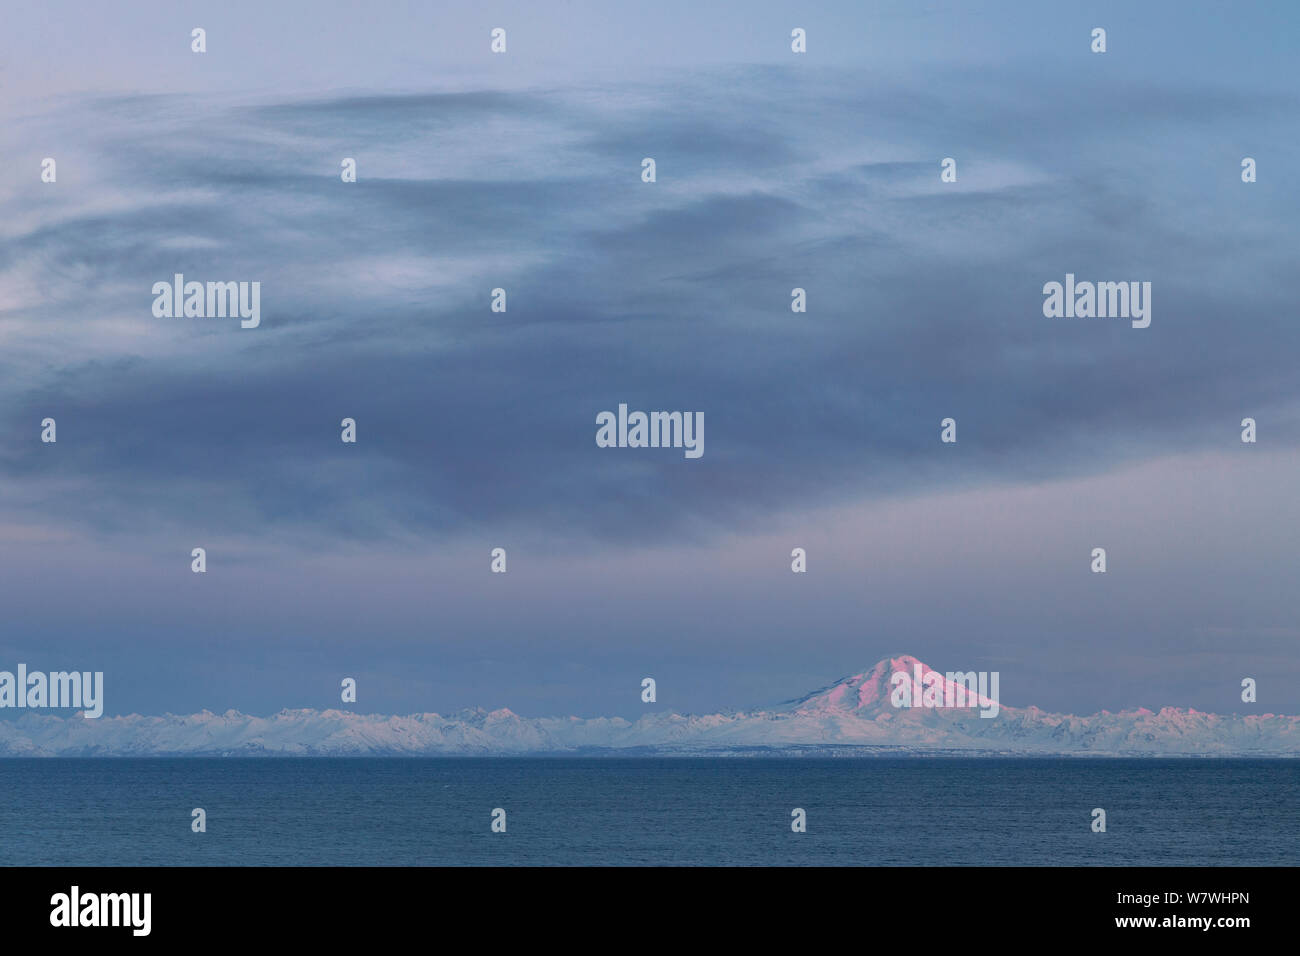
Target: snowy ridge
854, 714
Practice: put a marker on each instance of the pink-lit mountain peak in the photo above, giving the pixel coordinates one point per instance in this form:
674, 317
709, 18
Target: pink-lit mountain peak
869, 693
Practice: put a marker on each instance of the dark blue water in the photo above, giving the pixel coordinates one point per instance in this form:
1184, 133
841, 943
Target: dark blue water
869, 812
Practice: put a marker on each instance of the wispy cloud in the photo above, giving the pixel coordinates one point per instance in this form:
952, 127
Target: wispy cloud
924, 302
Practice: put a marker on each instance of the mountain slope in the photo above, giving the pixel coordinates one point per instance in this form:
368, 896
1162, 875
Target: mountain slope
855, 712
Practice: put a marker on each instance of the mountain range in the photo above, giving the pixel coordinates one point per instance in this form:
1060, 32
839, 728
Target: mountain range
853, 716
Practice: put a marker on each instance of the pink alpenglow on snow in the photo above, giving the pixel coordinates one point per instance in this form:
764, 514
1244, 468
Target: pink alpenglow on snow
854, 715
929, 688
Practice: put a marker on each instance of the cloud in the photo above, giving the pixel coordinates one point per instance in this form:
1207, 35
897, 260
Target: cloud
924, 302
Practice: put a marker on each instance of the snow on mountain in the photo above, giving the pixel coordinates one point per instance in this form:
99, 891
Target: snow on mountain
853, 715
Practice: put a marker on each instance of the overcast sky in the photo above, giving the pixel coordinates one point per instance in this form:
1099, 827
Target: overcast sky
477, 429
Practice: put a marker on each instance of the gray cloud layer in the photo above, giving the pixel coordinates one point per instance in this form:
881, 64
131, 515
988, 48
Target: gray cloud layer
924, 299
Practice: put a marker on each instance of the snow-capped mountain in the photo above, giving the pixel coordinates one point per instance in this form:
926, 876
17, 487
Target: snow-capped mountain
855, 715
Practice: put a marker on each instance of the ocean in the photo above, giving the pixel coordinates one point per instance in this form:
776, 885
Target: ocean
649, 811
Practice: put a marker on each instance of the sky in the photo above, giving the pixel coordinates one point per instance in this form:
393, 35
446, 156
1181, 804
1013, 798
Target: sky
476, 429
